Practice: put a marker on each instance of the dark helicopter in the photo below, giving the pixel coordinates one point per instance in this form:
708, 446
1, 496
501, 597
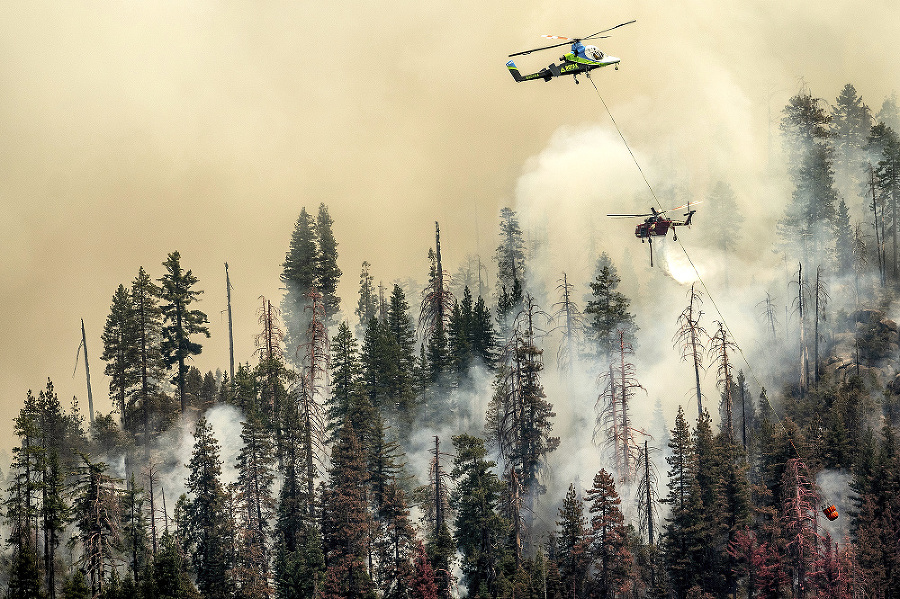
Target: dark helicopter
582, 59
657, 224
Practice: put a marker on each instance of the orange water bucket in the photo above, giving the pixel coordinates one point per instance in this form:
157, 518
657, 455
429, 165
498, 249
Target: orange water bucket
831, 512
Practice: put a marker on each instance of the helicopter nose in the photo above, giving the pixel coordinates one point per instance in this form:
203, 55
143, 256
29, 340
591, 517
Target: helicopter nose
611, 60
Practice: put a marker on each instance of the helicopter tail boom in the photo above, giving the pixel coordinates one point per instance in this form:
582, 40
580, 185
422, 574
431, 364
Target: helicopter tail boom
544, 74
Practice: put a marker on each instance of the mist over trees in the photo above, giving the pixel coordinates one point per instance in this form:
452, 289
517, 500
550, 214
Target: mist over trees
423, 446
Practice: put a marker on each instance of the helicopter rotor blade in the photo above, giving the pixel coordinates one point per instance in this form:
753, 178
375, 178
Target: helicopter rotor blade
557, 37
592, 36
688, 206
539, 49
628, 215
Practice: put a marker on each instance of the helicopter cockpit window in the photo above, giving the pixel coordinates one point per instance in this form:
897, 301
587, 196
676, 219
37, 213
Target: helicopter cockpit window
594, 53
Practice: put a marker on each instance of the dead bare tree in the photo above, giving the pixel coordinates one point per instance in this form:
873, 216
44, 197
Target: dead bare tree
720, 349
820, 293
439, 488
613, 419
647, 494
149, 472
690, 336
799, 304
571, 325
310, 403
768, 314
269, 347
97, 517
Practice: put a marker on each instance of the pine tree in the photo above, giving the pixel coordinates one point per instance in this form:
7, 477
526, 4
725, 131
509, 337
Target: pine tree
346, 521
346, 382
483, 337
299, 277
607, 310
434, 314
886, 175
572, 545
439, 542
510, 254
460, 334
877, 483
367, 306
851, 120
134, 529
519, 419
119, 349
181, 321
608, 540
310, 415
480, 529
205, 526
150, 363
811, 212
402, 329
20, 507
327, 272
380, 366
572, 328
889, 113
799, 526
270, 372
255, 464
385, 460
55, 458
682, 552
21, 504
424, 586
299, 566
395, 544
169, 576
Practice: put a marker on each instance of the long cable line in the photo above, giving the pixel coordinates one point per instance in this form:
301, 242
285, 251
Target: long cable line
696, 271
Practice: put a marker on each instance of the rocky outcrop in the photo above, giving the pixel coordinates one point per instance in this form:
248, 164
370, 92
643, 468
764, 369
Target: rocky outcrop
872, 338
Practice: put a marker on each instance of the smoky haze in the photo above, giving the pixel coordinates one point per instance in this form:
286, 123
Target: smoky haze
132, 129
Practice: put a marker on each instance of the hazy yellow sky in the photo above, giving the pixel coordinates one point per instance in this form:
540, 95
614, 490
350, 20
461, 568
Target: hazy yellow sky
132, 128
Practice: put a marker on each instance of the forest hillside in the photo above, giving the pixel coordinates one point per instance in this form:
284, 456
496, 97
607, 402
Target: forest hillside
502, 429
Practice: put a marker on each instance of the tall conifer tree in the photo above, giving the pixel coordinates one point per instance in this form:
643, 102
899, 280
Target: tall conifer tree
205, 526
177, 294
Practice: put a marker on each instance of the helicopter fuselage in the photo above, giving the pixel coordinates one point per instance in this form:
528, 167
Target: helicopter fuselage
582, 59
652, 228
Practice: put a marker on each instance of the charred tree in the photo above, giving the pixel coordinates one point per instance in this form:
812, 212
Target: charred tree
613, 412
804, 351
572, 328
721, 349
150, 473
230, 328
312, 380
768, 315
821, 300
690, 336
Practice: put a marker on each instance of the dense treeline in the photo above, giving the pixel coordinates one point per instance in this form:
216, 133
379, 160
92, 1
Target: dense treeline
324, 504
